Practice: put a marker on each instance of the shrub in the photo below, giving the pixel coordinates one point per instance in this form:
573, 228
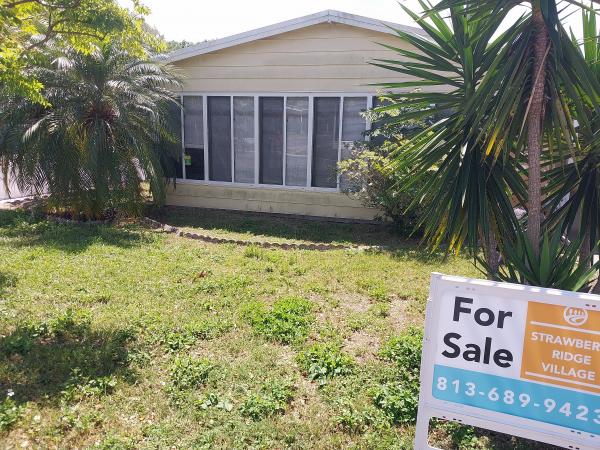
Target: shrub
322, 362
187, 372
288, 321
370, 179
10, 412
273, 399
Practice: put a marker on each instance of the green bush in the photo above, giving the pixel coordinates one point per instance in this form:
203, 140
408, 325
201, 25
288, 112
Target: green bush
287, 322
322, 362
273, 399
187, 372
369, 177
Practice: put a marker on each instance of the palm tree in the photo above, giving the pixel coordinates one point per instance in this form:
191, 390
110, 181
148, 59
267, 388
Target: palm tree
520, 110
107, 131
466, 189
533, 90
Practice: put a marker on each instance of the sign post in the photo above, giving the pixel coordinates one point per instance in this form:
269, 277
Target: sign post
516, 359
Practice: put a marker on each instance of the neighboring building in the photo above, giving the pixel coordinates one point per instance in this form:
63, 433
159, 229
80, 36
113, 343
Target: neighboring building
269, 113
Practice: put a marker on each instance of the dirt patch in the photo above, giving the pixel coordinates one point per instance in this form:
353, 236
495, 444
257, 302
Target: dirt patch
362, 345
354, 302
345, 304
398, 313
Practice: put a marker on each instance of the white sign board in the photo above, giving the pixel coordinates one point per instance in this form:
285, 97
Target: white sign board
516, 359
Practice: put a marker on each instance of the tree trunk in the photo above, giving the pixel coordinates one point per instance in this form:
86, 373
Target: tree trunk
585, 251
492, 256
534, 126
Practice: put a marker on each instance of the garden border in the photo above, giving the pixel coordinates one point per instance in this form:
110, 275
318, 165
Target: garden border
156, 225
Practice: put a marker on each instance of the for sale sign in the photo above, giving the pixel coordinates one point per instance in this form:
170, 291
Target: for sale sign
515, 359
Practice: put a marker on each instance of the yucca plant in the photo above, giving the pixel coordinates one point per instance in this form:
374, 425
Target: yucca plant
107, 130
557, 263
519, 100
573, 188
466, 190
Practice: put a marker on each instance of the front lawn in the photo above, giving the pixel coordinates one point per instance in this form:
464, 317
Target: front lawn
121, 337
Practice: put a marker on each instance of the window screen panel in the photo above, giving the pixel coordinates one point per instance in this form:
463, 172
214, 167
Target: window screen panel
325, 141
175, 164
193, 121
194, 163
353, 128
354, 124
243, 139
296, 141
219, 138
271, 140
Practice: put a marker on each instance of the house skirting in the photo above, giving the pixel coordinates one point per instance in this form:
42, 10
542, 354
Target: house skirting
269, 200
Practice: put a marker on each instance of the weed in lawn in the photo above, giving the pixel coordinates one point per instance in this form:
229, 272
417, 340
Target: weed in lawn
287, 322
187, 336
322, 362
10, 412
273, 399
187, 372
405, 350
398, 400
227, 285
354, 420
115, 443
254, 251
80, 386
214, 400
380, 310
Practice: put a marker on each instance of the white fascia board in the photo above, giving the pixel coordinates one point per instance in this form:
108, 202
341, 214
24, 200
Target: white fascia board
329, 16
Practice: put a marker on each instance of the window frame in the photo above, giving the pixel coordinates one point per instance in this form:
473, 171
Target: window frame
256, 95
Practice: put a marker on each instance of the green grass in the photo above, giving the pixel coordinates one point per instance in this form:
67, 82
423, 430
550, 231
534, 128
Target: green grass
117, 337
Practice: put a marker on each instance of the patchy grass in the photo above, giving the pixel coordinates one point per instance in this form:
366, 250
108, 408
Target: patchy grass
116, 337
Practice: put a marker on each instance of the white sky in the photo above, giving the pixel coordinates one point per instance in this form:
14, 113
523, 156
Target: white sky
199, 20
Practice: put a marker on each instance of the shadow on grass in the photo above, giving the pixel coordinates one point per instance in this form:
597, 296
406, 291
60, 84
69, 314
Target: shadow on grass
23, 230
269, 225
44, 361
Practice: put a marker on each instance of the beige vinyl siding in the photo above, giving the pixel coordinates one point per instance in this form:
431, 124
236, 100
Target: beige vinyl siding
269, 200
319, 58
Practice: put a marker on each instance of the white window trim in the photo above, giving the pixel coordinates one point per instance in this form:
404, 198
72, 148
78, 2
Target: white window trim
256, 95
